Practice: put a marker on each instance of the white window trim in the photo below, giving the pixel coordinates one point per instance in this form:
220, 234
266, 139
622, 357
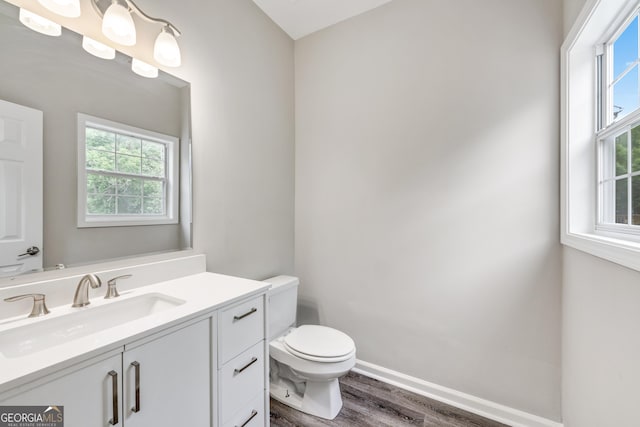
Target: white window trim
173, 184
579, 174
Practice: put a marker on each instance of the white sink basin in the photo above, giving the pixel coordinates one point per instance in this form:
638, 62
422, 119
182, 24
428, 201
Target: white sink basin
47, 333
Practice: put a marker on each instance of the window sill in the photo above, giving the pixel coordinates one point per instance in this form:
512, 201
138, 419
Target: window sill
124, 221
623, 252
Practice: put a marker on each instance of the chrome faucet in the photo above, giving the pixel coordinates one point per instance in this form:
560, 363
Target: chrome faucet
39, 307
81, 298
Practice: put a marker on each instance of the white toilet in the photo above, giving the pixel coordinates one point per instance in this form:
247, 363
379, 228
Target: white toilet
305, 362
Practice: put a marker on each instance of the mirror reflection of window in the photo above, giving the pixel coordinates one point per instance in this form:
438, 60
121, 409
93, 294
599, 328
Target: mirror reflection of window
127, 175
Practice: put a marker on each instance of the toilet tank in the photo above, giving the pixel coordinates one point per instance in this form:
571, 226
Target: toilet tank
283, 301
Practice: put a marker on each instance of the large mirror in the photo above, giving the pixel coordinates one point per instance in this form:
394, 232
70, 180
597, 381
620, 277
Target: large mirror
56, 76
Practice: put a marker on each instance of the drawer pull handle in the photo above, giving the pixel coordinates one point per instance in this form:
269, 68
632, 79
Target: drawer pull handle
239, 371
136, 367
253, 415
114, 385
248, 313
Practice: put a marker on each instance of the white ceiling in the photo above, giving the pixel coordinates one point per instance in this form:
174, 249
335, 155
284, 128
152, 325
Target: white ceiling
301, 17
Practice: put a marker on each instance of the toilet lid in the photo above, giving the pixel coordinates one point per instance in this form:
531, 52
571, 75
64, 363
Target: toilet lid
319, 341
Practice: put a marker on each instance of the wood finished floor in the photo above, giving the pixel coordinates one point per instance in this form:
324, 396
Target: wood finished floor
368, 402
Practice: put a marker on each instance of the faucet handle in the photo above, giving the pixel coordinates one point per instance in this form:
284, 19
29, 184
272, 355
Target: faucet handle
112, 291
39, 306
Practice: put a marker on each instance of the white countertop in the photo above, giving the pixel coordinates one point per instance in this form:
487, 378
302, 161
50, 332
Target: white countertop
202, 293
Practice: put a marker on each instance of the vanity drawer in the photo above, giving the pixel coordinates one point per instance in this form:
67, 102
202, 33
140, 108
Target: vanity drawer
241, 380
240, 327
251, 415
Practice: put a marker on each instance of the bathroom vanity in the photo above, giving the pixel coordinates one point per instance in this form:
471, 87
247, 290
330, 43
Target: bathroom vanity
187, 351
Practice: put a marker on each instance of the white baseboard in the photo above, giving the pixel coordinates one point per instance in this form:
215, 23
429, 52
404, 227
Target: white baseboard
467, 402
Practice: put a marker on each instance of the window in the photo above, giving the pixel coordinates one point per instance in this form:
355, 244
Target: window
126, 175
618, 136
600, 132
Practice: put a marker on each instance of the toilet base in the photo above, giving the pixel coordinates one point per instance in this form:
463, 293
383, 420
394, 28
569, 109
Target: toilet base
321, 398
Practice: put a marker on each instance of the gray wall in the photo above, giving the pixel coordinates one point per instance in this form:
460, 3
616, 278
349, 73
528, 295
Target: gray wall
240, 65
427, 192
601, 345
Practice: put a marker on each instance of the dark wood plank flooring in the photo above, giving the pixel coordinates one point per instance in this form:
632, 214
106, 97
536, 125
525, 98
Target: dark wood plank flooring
368, 402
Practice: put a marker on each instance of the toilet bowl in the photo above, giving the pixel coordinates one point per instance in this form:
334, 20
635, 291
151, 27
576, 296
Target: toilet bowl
305, 362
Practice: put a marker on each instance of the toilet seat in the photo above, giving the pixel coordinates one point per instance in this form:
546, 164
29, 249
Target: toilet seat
319, 344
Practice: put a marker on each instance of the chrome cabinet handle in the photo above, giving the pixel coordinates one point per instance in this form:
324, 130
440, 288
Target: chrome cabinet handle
248, 313
114, 384
252, 416
136, 367
39, 307
239, 371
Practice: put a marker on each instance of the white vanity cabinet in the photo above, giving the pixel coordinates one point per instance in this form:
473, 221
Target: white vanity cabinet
85, 391
242, 365
167, 379
173, 383
200, 361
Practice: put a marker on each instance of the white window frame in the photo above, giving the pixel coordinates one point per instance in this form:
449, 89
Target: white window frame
171, 170
579, 139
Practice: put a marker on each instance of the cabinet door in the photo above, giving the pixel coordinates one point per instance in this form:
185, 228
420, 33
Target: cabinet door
86, 394
174, 379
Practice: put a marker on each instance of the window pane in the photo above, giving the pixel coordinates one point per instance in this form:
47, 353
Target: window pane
100, 184
128, 164
621, 154
100, 139
153, 189
625, 48
128, 145
100, 160
129, 187
153, 206
635, 149
100, 204
635, 200
129, 205
153, 167
622, 201
153, 150
625, 94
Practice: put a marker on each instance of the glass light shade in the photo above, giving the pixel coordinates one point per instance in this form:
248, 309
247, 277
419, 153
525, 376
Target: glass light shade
39, 24
118, 26
98, 49
68, 8
166, 50
143, 69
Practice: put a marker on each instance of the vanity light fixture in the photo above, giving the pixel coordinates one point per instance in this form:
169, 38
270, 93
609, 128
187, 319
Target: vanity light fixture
98, 49
68, 8
118, 26
143, 69
165, 49
39, 24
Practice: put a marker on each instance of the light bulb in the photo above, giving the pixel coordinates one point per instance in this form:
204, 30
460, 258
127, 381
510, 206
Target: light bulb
39, 24
118, 26
143, 69
166, 50
98, 49
68, 8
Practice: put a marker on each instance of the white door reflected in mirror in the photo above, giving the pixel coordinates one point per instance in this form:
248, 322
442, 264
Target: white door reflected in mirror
20, 189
